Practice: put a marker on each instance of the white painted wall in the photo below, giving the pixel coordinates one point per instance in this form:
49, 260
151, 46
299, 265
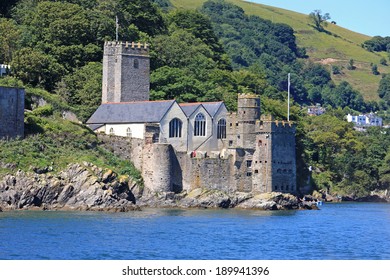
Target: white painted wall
137, 129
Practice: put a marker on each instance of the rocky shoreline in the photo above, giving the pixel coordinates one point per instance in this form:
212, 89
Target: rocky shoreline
85, 187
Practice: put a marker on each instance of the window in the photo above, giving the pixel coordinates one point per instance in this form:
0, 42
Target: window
136, 63
249, 174
221, 129
200, 125
128, 132
248, 163
112, 131
175, 126
230, 143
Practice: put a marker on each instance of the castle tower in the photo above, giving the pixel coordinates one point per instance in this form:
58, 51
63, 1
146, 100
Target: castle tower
126, 68
274, 162
248, 111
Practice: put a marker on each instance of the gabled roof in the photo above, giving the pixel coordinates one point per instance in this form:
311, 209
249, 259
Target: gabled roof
131, 112
211, 107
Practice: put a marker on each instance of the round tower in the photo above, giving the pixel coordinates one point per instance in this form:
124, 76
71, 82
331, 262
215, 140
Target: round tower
248, 112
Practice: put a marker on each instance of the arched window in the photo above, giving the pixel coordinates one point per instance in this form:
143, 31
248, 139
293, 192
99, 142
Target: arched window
136, 63
128, 132
175, 126
221, 129
200, 125
111, 131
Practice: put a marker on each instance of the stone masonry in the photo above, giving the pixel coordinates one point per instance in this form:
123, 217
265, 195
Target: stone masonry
11, 112
126, 68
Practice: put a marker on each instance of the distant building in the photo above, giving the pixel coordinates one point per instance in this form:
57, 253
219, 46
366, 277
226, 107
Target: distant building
365, 120
315, 110
11, 112
4, 69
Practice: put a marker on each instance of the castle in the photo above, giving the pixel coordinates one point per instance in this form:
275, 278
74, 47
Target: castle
192, 145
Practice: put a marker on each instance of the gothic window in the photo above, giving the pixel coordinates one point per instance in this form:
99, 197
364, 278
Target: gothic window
175, 127
248, 163
112, 131
221, 129
136, 63
128, 132
200, 125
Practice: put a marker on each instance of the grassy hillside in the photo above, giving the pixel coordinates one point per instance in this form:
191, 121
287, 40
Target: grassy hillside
335, 48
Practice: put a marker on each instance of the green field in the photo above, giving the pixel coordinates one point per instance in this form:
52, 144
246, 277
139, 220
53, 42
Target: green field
335, 48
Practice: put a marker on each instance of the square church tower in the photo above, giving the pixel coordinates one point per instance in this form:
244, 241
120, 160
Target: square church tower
126, 68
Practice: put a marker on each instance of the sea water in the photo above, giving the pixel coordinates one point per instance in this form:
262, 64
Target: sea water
345, 231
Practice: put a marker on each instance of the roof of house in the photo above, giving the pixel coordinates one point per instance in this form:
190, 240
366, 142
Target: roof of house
211, 107
131, 112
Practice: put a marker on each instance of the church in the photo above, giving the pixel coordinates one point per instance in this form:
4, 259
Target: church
184, 146
126, 110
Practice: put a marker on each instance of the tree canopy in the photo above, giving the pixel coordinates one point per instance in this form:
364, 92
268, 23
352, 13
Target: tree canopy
319, 20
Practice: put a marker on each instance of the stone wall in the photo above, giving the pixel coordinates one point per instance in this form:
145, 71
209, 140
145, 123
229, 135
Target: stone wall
126, 68
11, 112
213, 173
269, 166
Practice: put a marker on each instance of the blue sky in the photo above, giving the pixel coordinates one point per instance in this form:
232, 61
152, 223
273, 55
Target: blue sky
367, 17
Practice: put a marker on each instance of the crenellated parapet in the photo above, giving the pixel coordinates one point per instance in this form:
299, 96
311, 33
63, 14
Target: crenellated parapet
126, 48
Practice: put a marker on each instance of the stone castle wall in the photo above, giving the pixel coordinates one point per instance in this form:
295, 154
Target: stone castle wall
11, 112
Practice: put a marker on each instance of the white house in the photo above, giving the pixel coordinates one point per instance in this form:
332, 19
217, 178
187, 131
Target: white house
365, 120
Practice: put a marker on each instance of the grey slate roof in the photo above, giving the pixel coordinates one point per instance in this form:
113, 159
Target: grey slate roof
93, 127
211, 107
131, 112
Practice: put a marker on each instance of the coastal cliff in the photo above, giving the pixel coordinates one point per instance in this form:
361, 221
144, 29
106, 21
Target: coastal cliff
89, 188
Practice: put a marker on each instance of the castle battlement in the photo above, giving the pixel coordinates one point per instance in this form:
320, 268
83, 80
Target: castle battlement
127, 45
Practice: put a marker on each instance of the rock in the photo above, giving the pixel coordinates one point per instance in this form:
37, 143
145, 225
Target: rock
76, 187
371, 198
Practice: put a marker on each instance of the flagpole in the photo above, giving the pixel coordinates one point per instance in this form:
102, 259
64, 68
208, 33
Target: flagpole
288, 99
116, 28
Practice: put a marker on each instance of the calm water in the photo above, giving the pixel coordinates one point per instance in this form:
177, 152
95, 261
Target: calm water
337, 231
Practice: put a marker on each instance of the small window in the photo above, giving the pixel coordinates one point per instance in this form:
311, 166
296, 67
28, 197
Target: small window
128, 132
112, 131
276, 188
256, 171
136, 63
230, 143
248, 163
260, 143
249, 174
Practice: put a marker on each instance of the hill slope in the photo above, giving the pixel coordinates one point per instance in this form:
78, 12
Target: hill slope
336, 48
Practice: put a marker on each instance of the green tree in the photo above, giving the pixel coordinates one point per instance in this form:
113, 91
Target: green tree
83, 89
351, 65
9, 39
319, 20
374, 69
384, 89
36, 68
